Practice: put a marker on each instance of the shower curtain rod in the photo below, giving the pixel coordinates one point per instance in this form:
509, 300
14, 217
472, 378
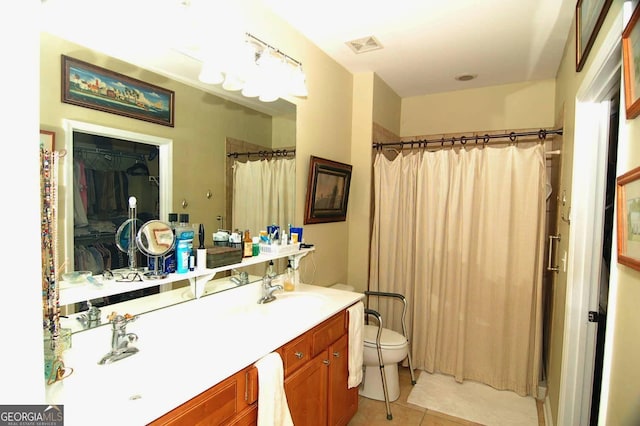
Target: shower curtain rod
265, 154
473, 139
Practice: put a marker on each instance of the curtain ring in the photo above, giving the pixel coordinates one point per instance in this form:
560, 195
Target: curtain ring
512, 137
442, 141
463, 140
453, 141
486, 138
542, 134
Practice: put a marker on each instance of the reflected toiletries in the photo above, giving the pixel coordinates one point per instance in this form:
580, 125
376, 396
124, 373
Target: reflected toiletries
184, 244
247, 245
170, 258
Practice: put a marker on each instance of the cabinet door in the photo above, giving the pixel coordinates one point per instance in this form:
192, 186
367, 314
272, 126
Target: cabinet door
306, 391
232, 401
343, 402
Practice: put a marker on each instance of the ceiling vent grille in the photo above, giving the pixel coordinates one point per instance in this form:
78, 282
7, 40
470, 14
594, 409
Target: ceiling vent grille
365, 44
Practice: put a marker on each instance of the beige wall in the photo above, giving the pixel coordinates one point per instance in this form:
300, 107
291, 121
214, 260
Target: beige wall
323, 129
624, 326
506, 107
387, 106
360, 193
624, 396
202, 122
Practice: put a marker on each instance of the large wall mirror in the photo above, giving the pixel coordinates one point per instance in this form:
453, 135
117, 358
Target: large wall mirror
189, 168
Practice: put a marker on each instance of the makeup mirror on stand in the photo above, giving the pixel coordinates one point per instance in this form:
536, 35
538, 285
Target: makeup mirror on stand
126, 235
155, 239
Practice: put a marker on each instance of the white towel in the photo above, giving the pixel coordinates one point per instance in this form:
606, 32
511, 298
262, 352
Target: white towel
356, 344
273, 409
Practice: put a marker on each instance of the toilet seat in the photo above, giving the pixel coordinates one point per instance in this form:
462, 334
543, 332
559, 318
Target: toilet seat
388, 339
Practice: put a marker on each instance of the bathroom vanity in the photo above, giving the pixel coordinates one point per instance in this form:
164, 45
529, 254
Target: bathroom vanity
315, 381
196, 359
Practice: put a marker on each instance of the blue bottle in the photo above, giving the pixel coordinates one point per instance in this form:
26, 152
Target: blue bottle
184, 244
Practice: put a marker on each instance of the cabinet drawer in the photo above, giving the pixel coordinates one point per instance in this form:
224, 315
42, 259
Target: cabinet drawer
295, 353
328, 332
218, 405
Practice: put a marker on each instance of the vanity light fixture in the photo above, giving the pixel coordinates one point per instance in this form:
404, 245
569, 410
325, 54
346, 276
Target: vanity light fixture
257, 69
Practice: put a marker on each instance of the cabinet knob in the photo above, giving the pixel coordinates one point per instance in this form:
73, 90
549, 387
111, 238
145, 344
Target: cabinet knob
326, 362
299, 355
336, 354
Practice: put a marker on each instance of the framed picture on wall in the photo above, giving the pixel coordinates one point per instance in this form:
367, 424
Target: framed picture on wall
631, 65
327, 191
590, 15
90, 86
47, 140
628, 218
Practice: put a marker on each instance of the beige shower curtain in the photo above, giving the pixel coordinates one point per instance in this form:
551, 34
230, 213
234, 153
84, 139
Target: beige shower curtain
461, 234
263, 194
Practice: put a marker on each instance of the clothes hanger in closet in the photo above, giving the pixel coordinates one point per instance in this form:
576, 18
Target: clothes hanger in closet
138, 169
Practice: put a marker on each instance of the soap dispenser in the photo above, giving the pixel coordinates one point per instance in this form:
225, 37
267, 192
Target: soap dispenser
289, 278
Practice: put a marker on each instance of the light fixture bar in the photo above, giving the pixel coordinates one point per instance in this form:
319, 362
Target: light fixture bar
274, 49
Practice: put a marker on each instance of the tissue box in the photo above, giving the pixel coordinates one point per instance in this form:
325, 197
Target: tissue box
222, 256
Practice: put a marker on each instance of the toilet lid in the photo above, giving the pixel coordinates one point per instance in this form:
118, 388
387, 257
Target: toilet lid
388, 338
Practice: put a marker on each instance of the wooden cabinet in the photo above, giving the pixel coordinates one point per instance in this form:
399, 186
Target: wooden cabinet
316, 385
342, 401
316, 369
306, 391
231, 402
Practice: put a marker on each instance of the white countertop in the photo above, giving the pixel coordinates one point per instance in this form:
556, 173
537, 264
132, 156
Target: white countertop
184, 350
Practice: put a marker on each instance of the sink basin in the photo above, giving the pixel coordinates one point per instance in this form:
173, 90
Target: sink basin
299, 300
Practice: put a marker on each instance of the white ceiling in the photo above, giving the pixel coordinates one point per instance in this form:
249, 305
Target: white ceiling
426, 43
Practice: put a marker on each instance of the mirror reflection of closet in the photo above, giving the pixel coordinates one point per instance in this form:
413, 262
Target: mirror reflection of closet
107, 171
110, 166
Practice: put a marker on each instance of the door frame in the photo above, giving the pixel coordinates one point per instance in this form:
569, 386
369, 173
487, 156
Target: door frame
585, 237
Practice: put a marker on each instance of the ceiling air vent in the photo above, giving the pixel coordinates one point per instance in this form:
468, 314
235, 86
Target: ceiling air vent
365, 44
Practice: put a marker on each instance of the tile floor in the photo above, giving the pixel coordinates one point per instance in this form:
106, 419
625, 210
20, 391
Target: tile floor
373, 413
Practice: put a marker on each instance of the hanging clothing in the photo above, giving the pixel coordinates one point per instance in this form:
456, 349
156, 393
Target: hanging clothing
460, 232
79, 195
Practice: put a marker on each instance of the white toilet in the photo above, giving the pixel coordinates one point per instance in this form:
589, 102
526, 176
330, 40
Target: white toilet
394, 349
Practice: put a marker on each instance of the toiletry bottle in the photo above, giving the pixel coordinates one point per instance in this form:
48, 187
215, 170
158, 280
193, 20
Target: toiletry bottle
201, 236
184, 244
170, 258
289, 279
247, 245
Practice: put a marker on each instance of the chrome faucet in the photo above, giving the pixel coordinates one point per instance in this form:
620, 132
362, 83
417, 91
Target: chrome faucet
241, 279
268, 289
91, 318
120, 339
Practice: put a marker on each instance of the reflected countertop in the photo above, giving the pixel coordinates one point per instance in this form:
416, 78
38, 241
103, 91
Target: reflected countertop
184, 350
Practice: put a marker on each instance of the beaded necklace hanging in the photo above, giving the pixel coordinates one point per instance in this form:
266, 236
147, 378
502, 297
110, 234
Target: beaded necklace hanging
49, 243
